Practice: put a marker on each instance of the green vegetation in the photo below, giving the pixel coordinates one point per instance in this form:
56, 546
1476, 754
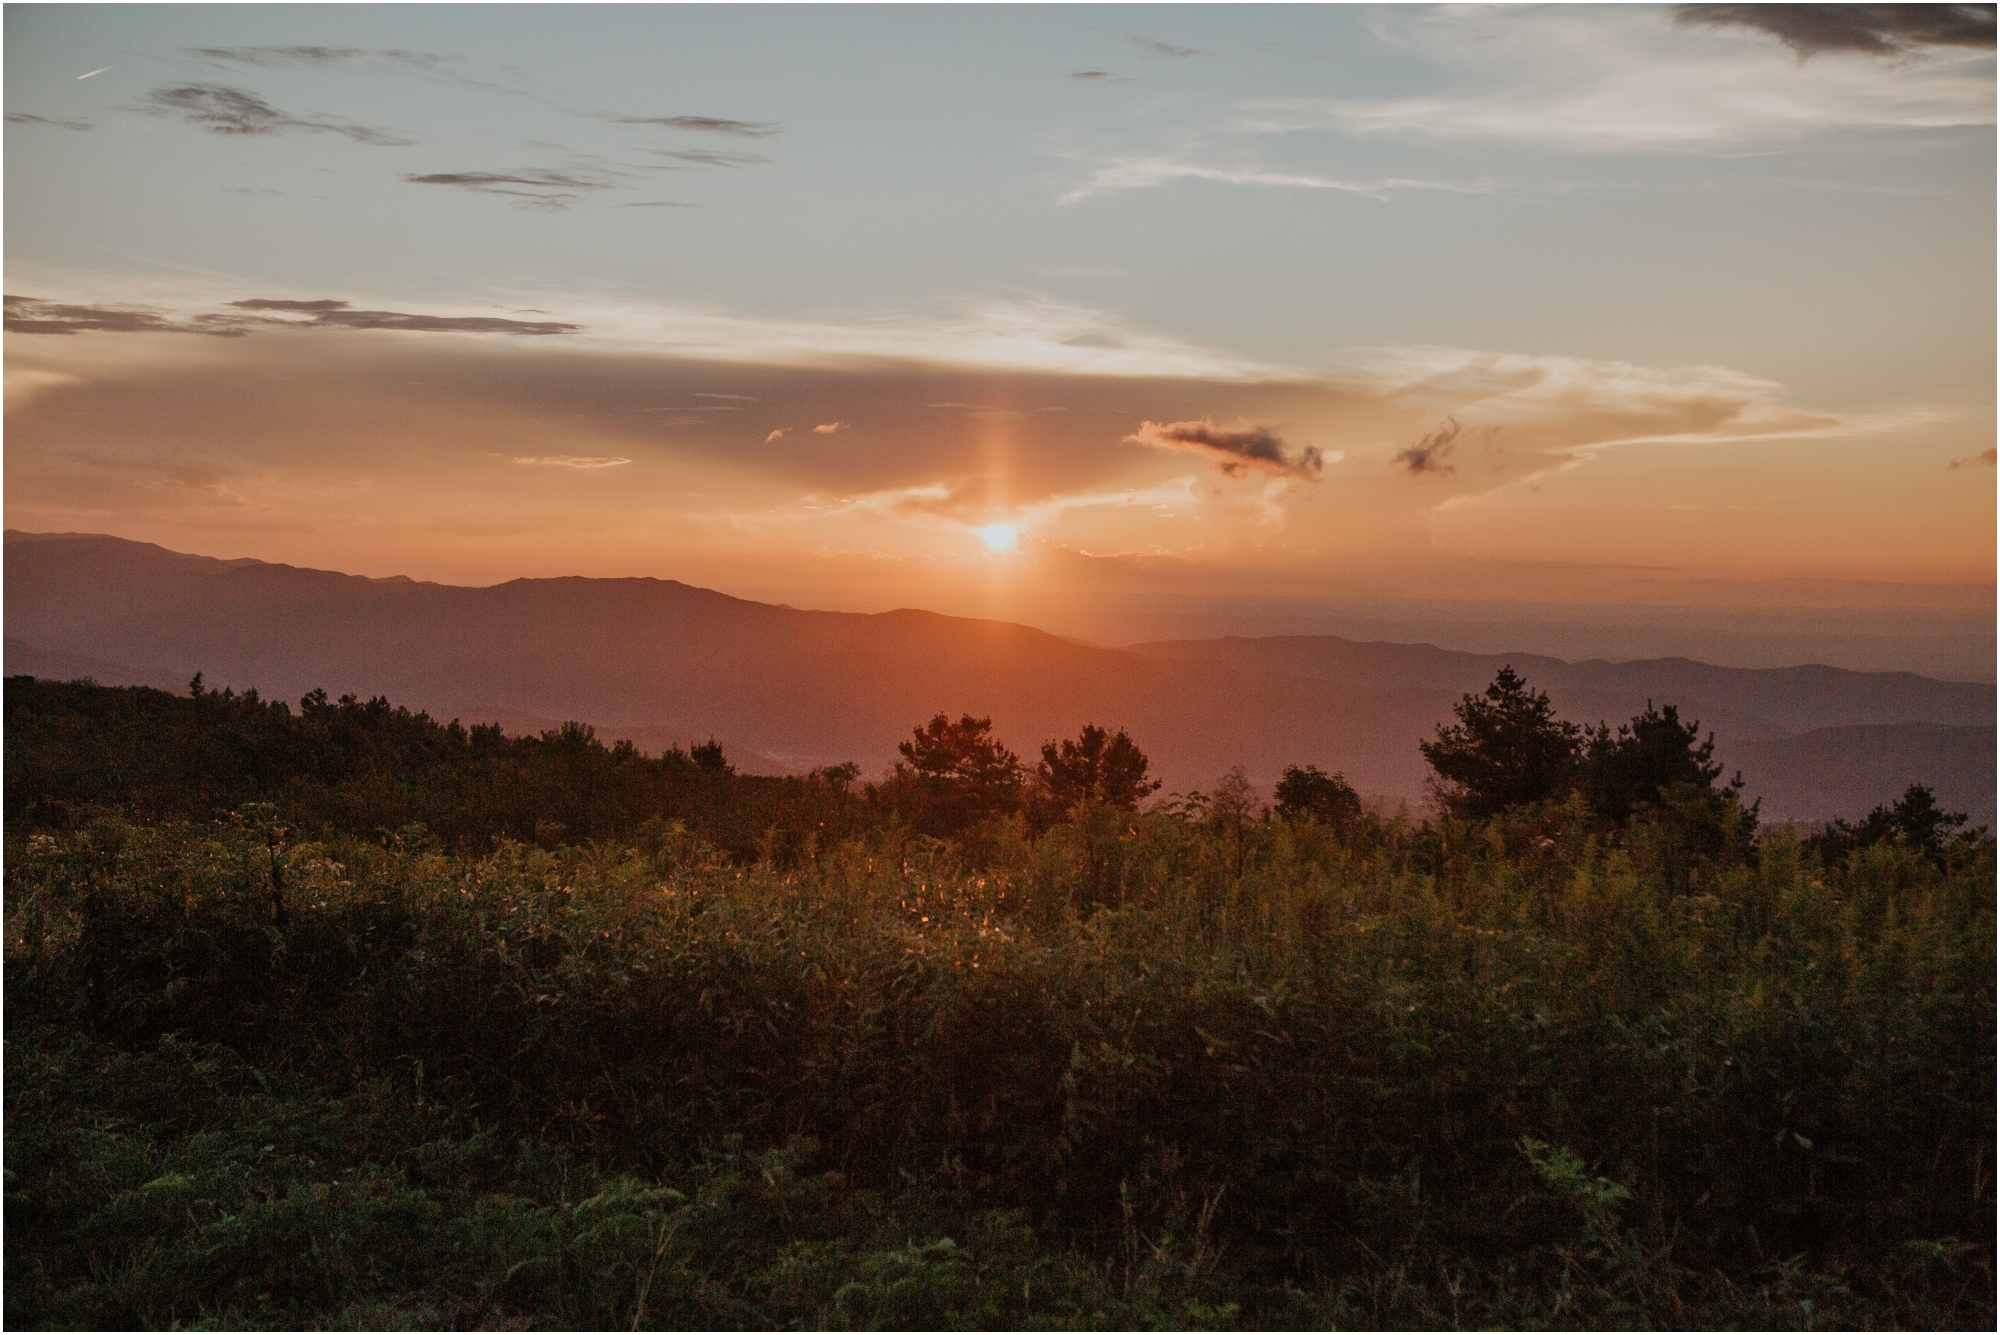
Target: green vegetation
349, 1018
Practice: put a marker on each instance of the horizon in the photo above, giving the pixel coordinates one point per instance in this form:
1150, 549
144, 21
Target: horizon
1470, 639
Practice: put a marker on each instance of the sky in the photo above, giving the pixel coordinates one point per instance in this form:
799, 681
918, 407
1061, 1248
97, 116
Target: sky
982, 308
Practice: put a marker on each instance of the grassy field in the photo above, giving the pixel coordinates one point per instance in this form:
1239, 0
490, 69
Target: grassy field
1178, 1069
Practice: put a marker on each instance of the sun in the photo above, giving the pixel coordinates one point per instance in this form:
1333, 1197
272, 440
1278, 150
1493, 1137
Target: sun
998, 536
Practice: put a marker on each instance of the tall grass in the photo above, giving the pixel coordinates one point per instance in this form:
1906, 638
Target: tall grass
1139, 1070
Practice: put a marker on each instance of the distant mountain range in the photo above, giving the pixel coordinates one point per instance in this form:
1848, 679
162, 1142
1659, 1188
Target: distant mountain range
665, 663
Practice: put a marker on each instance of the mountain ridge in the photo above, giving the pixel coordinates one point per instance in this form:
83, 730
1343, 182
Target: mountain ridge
820, 687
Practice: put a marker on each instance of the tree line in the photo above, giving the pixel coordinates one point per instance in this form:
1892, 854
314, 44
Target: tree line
369, 767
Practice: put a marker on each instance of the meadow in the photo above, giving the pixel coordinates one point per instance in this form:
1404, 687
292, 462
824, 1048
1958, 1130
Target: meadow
349, 1020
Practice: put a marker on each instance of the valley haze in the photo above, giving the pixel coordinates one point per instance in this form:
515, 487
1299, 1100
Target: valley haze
666, 664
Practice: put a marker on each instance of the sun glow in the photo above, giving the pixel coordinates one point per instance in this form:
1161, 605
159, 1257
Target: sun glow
998, 536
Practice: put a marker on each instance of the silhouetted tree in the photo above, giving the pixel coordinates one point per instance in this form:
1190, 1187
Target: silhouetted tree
1096, 767
708, 758
1507, 749
1916, 822
1633, 767
952, 775
1309, 794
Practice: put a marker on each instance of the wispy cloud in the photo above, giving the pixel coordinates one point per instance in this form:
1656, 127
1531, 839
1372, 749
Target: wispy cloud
777, 435
29, 118
829, 428
433, 67
1162, 50
1234, 449
221, 110
30, 315
1144, 173
573, 460
1631, 78
531, 187
329, 314
1531, 415
967, 502
1090, 74
1429, 453
1986, 457
708, 157
453, 70
706, 124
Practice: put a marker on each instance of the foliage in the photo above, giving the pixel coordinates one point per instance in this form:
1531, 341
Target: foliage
75, 750
1915, 822
1096, 767
1654, 752
1507, 749
951, 776
1176, 1068
1309, 794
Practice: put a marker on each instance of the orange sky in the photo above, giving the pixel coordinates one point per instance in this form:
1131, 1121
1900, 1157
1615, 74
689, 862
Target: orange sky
1575, 304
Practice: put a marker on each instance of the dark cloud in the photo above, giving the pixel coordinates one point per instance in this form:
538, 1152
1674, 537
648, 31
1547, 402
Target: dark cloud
328, 314
221, 110
1090, 74
1164, 50
1986, 457
1245, 445
29, 118
31, 315
708, 157
534, 187
1880, 30
1428, 455
708, 124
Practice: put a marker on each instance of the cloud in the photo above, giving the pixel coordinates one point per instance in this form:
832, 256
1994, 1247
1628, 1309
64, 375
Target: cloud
779, 434
30, 315
327, 314
449, 69
436, 68
739, 398
1162, 50
1876, 30
828, 428
1144, 173
221, 110
574, 460
1986, 457
29, 118
1243, 445
1090, 74
968, 501
708, 157
1428, 455
1039, 335
707, 124
542, 188
656, 204
1618, 78
1556, 413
